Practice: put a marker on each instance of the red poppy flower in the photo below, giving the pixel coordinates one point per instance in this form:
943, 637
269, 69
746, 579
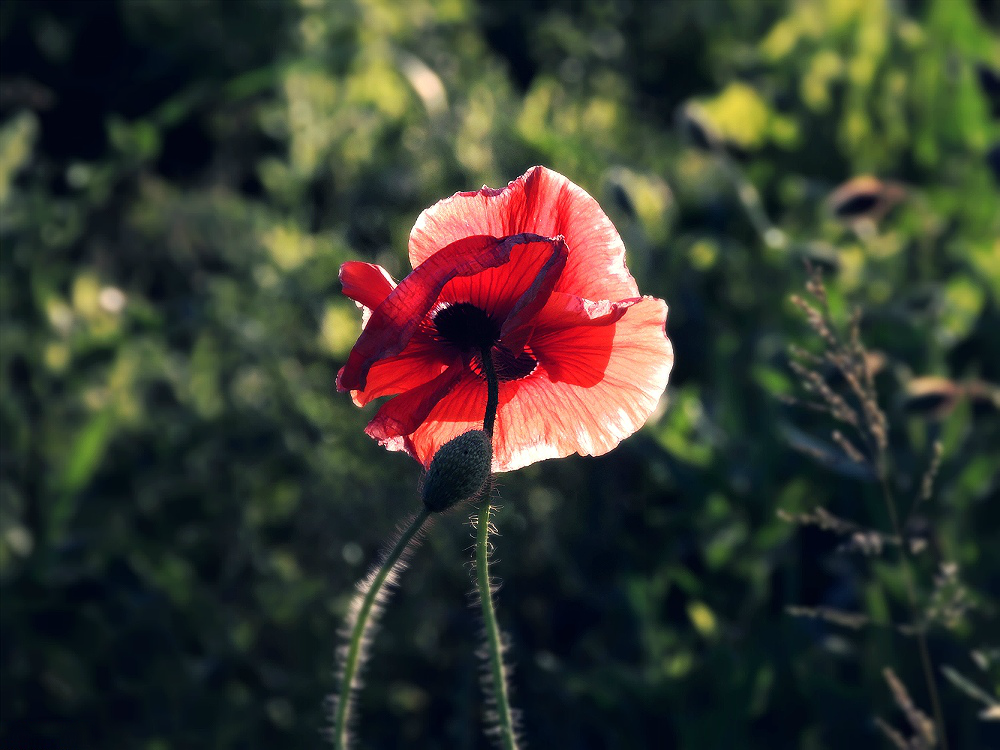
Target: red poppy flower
535, 271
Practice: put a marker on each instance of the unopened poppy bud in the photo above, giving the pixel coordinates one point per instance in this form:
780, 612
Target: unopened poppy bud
459, 470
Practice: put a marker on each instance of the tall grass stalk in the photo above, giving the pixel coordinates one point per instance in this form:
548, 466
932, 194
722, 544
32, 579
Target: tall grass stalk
850, 359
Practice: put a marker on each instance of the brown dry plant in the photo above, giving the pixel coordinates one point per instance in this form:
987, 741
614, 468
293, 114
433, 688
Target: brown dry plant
923, 733
863, 437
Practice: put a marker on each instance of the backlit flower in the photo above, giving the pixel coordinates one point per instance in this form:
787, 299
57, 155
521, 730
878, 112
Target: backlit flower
536, 273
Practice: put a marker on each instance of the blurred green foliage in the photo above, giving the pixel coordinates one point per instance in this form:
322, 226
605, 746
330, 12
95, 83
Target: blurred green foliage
185, 500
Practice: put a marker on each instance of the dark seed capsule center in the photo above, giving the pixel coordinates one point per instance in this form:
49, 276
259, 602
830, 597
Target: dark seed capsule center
466, 326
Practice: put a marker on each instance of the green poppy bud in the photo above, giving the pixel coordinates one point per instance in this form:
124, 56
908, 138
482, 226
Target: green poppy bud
458, 471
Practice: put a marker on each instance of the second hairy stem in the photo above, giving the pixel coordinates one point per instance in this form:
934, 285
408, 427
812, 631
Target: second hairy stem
498, 672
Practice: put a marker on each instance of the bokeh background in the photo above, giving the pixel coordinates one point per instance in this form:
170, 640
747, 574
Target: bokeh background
186, 501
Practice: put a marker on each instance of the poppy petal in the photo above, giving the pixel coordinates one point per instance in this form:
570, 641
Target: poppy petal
460, 410
401, 415
512, 293
587, 405
556, 413
541, 202
366, 283
573, 337
422, 360
400, 314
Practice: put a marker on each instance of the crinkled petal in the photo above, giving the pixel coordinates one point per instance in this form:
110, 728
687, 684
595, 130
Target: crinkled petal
541, 202
396, 319
514, 292
556, 413
588, 403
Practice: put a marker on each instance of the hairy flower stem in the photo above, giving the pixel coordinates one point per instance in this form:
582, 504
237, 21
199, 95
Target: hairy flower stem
492, 391
362, 623
498, 672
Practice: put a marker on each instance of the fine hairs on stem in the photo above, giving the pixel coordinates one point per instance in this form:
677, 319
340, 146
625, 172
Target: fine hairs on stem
362, 621
460, 471
859, 411
495, 681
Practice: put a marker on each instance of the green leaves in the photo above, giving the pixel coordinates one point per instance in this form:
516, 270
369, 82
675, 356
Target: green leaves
182, 490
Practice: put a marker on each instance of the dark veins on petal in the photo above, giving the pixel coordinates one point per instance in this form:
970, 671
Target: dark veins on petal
509, 366
469, 329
